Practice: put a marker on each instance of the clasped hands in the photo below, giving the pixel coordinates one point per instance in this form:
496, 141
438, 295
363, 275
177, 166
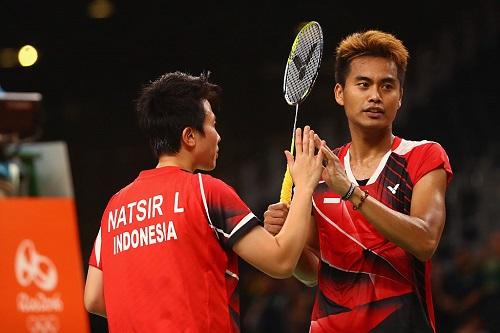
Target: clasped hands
307, 168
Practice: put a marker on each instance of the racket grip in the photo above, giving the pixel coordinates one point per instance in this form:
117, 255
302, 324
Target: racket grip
286, 187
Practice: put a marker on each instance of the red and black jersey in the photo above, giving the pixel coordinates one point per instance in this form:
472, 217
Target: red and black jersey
367, 283
165, 250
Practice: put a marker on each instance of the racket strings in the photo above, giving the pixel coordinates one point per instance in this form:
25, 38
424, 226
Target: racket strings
300, 73
304, 61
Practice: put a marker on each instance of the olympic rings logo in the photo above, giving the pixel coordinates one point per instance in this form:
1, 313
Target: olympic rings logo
42, 324
31, 267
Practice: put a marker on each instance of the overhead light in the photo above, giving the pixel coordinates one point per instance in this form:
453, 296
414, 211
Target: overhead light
27, 55
100, 9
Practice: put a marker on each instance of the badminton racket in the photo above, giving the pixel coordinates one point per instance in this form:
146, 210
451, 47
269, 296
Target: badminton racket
301, 70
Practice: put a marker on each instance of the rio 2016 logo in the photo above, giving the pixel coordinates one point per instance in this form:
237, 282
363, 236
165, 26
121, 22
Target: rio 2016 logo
42, 324
33, 268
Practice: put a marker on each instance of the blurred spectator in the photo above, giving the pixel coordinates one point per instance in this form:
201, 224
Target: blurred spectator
457, 293
490, 269
277, 306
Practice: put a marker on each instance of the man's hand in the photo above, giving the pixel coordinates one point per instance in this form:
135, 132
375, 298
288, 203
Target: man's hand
275, 217
334, 172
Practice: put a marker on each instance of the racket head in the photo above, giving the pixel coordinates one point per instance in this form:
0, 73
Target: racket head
302, 66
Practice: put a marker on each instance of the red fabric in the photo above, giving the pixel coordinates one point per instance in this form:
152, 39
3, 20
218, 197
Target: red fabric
181, 274
366, 281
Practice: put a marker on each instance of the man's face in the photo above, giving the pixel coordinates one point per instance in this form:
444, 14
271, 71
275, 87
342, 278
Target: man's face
207, 143
372, 93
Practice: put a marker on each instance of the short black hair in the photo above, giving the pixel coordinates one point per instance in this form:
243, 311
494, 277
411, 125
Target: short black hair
171, 103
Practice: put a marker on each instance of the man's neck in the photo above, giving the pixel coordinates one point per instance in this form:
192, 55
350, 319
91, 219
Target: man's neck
368, 147
177, 160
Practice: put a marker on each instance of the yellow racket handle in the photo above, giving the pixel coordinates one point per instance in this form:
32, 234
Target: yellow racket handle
286, 187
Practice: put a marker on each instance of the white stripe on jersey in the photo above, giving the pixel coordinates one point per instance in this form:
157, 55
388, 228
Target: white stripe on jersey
373, 178
404, 147
342, 269
337, 227
202, 190
240, 224
97, 248
228, 272
407, 145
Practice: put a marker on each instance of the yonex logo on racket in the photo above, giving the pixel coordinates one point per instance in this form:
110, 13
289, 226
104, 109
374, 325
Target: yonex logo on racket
302, 65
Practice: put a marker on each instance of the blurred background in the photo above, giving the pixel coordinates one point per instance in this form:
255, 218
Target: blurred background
93, 56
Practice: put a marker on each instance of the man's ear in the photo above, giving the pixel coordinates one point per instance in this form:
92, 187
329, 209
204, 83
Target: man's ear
338, 93
400, 99
188, 137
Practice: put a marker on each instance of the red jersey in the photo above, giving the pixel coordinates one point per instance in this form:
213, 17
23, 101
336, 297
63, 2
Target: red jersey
367, 283
165, 250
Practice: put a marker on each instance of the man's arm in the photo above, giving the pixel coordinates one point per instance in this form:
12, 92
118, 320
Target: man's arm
277, 255
306, 270
418, 233
307, 267
94, 292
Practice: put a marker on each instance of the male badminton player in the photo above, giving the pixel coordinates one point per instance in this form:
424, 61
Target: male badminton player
379, 210
165, 258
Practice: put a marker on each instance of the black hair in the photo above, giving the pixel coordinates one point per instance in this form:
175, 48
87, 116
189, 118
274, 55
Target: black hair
171, 103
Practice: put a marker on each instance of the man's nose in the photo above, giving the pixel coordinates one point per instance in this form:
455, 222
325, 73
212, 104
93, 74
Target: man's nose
374, 95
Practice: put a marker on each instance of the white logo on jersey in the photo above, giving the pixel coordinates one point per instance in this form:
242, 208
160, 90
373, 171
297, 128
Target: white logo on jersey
31, 267
393, 189
331, 200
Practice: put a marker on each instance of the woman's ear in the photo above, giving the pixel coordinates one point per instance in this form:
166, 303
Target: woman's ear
188, 137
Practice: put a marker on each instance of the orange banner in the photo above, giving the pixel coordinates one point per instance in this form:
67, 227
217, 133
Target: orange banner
41, 275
